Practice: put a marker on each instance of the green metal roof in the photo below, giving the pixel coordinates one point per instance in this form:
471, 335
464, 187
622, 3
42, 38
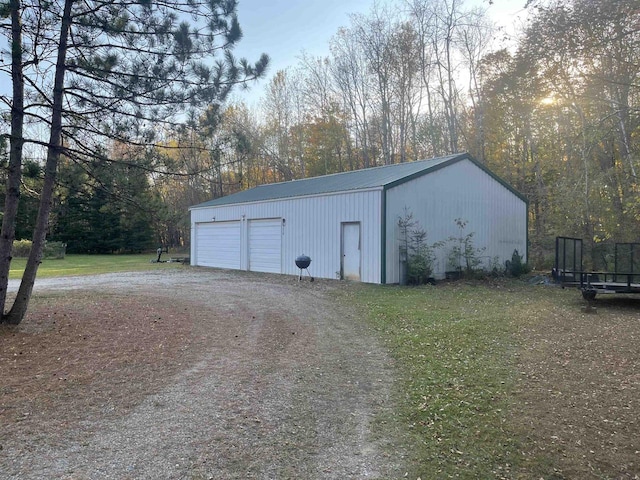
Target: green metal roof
385, 177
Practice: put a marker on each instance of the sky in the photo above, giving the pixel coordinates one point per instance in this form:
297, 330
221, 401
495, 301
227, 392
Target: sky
285, 28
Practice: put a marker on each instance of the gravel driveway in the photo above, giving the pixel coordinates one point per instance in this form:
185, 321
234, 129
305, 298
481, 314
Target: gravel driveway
283, 383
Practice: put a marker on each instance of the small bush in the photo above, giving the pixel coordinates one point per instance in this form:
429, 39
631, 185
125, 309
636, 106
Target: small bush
55, 250
464, 257
495, 267
515, 266
420, 255
420, 258
22, 248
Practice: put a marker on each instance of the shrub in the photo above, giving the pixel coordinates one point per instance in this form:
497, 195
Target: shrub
495, 267
419, 253
22, 248
464, 257
515, 267
54, 249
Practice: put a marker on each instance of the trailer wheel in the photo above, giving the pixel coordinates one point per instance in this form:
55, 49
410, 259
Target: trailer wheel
589, 295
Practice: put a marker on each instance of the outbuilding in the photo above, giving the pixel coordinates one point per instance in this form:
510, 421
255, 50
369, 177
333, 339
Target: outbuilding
347, 223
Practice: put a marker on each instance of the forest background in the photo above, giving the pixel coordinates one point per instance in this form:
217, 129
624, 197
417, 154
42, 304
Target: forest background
553, 112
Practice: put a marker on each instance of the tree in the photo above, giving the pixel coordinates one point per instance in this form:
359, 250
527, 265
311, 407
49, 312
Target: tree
16, 139
374, 33
104, 207
405, 68
464, 256
584, 54
96, 72
349, 71
414, 247
474, 40
327, 144
29, 198
282, 111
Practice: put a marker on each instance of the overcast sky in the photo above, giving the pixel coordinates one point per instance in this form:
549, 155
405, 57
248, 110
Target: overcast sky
285, 28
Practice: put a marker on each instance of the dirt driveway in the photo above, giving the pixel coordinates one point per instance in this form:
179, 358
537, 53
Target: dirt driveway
191, 373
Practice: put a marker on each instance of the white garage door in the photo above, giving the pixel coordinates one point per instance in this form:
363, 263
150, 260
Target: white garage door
265, 244
218, 244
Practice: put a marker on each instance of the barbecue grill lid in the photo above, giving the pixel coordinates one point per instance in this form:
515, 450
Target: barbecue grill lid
303, 261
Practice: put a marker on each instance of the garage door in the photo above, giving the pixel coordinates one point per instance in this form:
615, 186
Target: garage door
265, 244
218, 244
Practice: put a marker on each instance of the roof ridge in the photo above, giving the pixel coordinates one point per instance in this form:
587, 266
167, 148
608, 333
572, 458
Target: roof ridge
367, 169
382, 176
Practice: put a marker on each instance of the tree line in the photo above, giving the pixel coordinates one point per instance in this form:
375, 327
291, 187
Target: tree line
553, 111
92, 85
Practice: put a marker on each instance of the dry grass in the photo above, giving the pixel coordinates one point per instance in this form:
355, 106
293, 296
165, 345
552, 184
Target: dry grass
509, 380
96, 355
578, 396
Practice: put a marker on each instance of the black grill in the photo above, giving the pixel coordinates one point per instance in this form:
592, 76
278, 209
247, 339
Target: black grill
303, 262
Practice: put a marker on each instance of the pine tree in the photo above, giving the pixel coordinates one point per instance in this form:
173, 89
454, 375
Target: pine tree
100, 72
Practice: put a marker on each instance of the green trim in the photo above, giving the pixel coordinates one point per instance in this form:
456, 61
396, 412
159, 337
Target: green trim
526, 232
426, 171
383, 236
499, 180
462, 156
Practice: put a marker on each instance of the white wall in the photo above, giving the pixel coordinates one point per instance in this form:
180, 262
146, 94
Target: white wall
313, 227
497, 217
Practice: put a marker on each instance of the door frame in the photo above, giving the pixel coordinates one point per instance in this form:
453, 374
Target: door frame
342, 249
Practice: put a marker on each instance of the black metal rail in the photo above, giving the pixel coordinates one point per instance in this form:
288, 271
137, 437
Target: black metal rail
569, 271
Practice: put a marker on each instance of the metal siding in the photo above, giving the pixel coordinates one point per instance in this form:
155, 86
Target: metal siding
312, 227
265, 245
462, 190
193, 248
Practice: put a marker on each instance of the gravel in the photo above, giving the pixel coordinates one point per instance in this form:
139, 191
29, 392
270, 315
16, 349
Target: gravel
283, 382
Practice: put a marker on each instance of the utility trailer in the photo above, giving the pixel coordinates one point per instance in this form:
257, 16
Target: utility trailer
569, 269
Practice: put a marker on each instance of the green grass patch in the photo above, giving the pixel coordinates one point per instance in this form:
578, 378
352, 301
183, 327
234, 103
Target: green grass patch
454, 345
90, 265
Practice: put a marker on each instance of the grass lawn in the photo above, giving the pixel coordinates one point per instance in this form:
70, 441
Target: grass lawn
90, 264
510, 380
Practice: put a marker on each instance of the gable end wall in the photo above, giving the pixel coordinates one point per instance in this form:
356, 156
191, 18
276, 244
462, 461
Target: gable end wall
496, 216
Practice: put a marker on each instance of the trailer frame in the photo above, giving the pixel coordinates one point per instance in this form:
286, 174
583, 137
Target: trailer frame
569, 269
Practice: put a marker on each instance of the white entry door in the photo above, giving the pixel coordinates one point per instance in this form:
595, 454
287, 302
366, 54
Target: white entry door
351, 251
265, 245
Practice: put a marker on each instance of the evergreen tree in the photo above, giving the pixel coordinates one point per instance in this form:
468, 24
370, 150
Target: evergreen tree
104, 72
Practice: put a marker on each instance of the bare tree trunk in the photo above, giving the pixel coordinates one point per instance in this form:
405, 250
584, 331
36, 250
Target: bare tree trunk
12, 197
423, 15
452, 115
622, 113
19, 308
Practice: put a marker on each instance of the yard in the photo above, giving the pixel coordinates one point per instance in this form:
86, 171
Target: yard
92, 264
199, 373
510, 380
